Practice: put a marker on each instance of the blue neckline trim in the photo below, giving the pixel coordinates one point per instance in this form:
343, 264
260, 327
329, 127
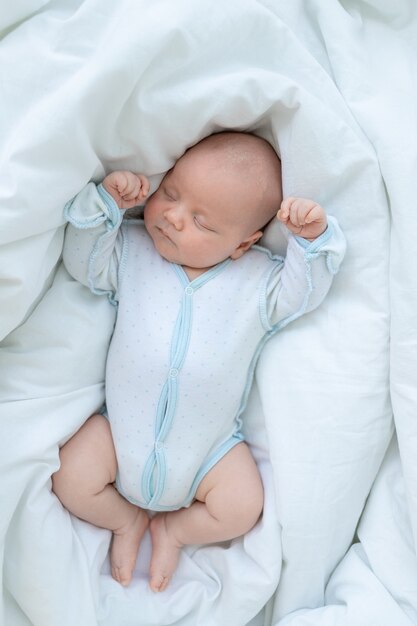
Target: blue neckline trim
203, 278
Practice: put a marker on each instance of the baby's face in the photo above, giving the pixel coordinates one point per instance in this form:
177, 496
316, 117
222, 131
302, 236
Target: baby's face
197, 217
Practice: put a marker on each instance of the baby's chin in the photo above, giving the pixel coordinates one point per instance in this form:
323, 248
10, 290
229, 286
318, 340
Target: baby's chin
190, 266
170, 252
164, 246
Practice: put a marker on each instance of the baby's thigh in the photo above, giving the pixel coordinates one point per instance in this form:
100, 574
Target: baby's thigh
234, 482
89, 457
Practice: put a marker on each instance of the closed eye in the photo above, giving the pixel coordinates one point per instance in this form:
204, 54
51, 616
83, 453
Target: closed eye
203, 226
168, 195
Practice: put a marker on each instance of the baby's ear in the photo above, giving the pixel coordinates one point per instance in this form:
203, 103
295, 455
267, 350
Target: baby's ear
246, 245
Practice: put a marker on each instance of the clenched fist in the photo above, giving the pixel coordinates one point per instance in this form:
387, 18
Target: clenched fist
126, 188
303, 217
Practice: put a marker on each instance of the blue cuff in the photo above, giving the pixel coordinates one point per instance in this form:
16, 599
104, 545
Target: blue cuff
313, 246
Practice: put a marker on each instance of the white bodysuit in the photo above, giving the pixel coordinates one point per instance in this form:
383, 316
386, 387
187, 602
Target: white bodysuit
183, 353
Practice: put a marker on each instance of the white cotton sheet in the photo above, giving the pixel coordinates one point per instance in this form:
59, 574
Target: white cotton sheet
92, 86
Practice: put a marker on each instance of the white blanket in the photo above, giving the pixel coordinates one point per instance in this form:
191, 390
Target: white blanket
88, 87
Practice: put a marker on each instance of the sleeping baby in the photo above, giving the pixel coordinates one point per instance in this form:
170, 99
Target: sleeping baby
196, 300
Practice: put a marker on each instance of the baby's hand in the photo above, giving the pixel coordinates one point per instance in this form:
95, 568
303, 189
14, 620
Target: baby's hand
303, 217
126, 188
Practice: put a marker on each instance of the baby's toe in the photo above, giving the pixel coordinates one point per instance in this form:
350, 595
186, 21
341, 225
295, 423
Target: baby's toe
158, 582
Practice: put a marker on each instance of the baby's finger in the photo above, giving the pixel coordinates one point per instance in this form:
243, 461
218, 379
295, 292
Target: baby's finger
282, 215
284, 211
286, 204
304, 208
121, 184
314, 214
135, 184
131, 195
295, 216
133, 187
145, 186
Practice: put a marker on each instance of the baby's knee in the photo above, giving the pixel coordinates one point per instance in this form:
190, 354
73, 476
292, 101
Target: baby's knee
66, 479
245, 507
62, 482
87, 461
252, 506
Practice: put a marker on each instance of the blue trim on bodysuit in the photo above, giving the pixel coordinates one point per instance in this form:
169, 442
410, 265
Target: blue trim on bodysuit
154, 473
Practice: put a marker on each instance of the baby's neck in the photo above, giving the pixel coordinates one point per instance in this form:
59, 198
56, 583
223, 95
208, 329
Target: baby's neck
194, 272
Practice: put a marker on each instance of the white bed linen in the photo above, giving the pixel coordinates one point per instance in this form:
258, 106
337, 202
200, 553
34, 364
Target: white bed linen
92, 86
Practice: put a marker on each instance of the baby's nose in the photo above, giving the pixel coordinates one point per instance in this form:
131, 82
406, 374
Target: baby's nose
173, 216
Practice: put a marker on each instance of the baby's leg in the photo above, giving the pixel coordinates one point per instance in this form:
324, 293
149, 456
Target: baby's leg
84, 484
228, 503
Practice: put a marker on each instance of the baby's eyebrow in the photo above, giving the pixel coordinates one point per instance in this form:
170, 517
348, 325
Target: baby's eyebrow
166, 179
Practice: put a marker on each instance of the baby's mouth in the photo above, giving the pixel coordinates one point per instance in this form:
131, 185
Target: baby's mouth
164, 233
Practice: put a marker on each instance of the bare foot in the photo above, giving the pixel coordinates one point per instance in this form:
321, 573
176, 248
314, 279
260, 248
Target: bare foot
125, 547
165, 553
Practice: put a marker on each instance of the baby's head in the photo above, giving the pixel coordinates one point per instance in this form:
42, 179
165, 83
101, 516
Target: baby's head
215, 200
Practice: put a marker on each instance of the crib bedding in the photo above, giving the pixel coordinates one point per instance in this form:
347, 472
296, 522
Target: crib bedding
91, 86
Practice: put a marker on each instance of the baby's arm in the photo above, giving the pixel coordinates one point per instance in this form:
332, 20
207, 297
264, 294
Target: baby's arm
94, 245
300, 282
